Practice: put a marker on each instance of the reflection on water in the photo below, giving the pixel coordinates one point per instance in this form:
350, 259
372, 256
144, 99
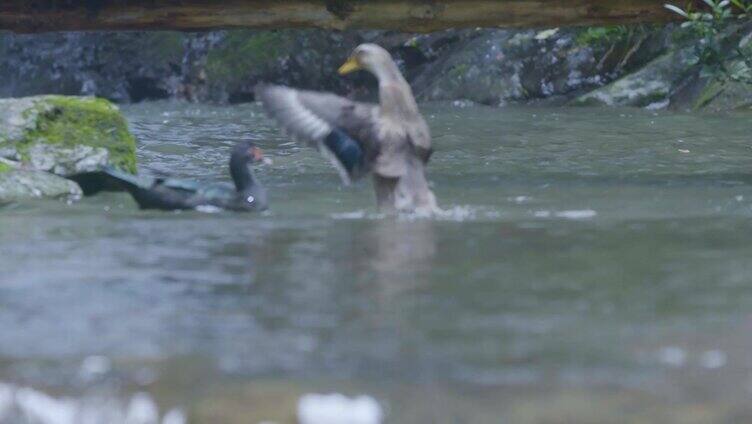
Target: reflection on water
398, 255
580, 248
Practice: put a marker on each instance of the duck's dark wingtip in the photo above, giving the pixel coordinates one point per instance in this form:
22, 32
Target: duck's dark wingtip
424, 154
348, 154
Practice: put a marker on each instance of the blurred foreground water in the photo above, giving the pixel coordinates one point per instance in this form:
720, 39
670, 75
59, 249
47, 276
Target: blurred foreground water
592, 265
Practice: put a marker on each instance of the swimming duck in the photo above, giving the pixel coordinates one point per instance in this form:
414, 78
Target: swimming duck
390, 140
246, 194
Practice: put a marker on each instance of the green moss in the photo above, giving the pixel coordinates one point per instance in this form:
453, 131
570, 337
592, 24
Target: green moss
723, 95
710, 92
71, 121
5, 167
155, 48
244, 53
598, 36
166, 45
459, 70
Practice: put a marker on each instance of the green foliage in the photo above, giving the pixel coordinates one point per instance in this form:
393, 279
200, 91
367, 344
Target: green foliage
72, 121
4, 167
709, 25
595, 36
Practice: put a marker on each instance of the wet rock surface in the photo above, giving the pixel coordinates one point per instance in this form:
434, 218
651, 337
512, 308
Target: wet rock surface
635, 66
123, 67
65, 134
67, 161
20, 184
46, 138
499, 66
651, 85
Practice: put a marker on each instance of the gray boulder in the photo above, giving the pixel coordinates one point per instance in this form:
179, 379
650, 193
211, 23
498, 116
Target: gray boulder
65, 135
67, 161
499, 66
651, 85
732, 91
20, 184
46, 138
120, 66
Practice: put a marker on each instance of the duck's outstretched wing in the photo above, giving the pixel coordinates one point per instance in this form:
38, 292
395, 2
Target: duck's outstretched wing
153, 193
343, 130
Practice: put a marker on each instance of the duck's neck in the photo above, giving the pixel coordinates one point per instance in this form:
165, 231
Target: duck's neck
242, 174
395, 96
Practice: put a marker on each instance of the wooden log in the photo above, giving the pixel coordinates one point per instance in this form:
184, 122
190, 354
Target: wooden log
402, 15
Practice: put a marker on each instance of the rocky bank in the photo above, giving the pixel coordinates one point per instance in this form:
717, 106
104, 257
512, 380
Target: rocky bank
45, 140
641, 66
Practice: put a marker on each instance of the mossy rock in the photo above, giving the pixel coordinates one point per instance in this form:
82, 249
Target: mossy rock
303, 58
8, 165
65, 135
724, 95
653, 84
246, 52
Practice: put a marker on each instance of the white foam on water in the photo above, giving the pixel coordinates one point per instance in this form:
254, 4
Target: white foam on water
577, 214
338, 409
208, 209
174, 416
458, 213
713, 359
521, 199
6, 400
350, 215
142, 410
568, 214
94, 366
673, 356
25, 405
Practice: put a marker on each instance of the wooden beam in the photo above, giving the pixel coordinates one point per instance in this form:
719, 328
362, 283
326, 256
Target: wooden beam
402, 15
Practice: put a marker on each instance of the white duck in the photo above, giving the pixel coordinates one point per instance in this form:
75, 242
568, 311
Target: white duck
390, 140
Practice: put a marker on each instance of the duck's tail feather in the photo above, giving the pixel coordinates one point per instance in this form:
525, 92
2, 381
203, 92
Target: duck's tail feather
141, 188
106, 179
120, 175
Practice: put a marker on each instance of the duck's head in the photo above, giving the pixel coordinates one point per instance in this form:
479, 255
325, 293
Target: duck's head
370, 57
245, 154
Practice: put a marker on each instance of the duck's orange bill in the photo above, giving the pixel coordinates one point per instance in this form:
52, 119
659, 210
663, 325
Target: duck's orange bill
257, 154
351, 65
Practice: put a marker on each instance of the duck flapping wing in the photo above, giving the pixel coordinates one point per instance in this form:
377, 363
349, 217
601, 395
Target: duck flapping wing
343, 130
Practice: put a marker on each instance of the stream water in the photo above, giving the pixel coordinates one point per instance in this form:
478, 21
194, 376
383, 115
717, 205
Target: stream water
586, 256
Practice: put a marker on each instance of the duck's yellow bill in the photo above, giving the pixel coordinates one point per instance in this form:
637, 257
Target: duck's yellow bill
350, 66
